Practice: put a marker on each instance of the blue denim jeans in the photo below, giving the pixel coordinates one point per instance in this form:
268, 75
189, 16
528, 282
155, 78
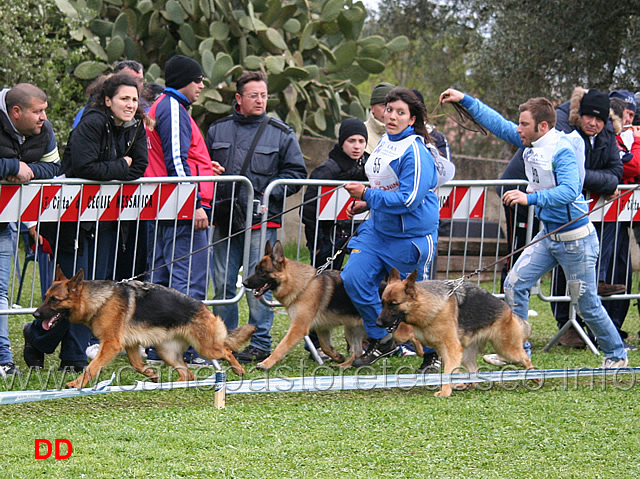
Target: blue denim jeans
6, 253
578, 260
225, 279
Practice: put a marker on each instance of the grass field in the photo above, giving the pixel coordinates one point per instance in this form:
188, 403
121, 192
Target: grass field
561, 430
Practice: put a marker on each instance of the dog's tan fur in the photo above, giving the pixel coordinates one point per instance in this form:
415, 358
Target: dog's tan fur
109, 310
312, 301
434, 316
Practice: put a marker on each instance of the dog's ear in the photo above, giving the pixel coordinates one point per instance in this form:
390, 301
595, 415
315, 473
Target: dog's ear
277, 255
75, 282
267, 248
59, 274
410, 283
394, 275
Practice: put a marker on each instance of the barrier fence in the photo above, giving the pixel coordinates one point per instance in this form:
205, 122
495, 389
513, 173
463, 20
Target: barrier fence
121, 222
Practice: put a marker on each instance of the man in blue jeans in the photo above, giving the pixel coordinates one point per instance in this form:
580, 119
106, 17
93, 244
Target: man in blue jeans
28, 150
554, 165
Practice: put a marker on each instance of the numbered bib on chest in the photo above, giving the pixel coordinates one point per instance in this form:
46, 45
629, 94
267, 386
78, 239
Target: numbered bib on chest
378, 167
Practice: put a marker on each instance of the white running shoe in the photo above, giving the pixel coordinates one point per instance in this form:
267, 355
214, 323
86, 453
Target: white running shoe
92, 351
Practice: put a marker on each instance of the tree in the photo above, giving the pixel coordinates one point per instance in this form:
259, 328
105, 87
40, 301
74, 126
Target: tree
312, 50
532, 48
33, 41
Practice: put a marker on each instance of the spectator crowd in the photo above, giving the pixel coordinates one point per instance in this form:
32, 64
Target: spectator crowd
130, 129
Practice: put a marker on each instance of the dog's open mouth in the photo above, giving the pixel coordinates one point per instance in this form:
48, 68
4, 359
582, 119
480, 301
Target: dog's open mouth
258, 292
51, 322
393, 326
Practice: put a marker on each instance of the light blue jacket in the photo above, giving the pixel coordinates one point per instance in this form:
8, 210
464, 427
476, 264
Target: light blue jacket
555, 206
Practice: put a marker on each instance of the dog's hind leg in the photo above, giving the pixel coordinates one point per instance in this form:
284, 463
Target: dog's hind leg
133, 353
470, 363
354, 336
324, 338
236, 367
171, 353
108, 351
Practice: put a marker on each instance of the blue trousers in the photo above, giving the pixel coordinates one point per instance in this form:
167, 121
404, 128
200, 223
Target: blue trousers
372, 257
188, 275
227, 259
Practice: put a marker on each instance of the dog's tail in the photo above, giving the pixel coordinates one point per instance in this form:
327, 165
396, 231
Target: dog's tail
236, 338
525, 325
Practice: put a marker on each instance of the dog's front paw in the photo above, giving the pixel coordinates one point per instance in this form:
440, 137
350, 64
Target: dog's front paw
77, 384
263, 366
443, 394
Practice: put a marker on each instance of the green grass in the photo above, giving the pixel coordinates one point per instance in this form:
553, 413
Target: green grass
577, 429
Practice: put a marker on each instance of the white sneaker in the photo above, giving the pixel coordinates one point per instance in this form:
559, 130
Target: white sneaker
495, 360
92, 351
532, 313
610, 363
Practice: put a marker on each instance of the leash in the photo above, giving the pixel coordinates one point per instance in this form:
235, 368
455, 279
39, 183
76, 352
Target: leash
331, 259
462, 118
204, 248
458, 282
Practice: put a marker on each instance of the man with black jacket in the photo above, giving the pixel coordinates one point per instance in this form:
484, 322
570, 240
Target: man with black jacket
588, 112
276, 155
28, 150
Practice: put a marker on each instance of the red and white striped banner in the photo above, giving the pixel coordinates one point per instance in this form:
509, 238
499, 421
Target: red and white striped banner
166, 201
456, 202
626, 208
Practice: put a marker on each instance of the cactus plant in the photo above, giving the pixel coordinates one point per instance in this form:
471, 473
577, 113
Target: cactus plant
312, 51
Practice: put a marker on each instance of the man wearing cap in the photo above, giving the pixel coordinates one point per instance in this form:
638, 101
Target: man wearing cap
587, 112
177, 148
276, 155
615, 261
375, 127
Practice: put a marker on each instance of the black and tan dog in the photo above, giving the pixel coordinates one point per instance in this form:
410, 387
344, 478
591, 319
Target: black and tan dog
317, 302
132, 314
457, 323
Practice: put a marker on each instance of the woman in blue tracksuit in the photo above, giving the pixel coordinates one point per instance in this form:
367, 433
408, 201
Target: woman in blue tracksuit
403, 229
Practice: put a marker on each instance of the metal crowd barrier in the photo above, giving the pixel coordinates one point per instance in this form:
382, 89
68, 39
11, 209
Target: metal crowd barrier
122, 217
475, 232
475, 229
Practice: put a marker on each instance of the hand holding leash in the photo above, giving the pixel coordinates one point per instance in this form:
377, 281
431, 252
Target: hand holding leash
451, 96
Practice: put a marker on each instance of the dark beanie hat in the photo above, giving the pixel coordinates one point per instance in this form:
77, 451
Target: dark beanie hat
595, 103
627, 96
350, 127
379, 92
179, 71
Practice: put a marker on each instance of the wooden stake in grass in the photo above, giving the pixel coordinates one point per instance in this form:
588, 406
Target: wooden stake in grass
219, 398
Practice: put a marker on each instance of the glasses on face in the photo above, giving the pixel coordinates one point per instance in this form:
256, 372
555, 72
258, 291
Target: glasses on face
200, 79
255, 96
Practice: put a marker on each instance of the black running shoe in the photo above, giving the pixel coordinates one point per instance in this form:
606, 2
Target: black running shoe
33, 357
9, 369
252, 355
375, 351
431, 364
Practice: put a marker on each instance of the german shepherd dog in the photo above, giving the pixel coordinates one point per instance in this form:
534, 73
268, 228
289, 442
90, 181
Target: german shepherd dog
313, 301
132, 314
457, 323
